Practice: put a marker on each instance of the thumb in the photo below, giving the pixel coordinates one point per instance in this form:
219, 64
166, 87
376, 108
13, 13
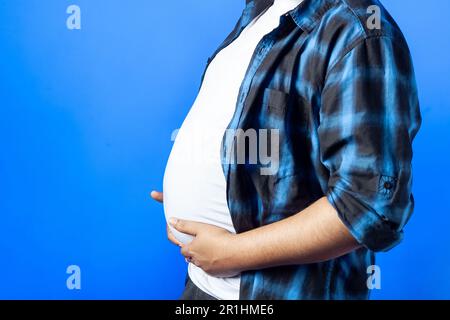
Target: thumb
184, 226
157, 196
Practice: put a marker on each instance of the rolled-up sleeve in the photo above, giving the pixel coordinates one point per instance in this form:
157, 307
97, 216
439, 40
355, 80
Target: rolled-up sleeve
368, 119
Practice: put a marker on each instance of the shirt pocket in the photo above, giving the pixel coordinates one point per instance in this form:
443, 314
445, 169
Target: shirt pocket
275, 102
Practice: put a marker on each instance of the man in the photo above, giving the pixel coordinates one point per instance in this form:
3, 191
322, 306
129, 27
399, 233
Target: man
338, 93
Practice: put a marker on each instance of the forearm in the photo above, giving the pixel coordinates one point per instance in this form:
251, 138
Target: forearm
315, 234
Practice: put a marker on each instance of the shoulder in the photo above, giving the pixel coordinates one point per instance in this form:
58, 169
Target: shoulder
365, 18
349, 23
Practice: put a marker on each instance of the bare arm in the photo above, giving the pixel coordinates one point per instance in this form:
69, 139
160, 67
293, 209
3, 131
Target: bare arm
316, 234
313, 235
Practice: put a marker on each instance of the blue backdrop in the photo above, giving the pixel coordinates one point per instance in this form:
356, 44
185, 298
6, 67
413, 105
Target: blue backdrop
85, 123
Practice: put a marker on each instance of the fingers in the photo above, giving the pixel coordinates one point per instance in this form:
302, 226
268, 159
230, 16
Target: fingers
184, 226
188, 255
157, 196
185, 252
172, 238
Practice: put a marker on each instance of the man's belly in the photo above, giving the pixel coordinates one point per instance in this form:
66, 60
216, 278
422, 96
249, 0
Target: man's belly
194, 183
195, 189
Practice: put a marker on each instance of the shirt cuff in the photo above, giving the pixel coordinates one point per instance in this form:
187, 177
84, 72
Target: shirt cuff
371, 229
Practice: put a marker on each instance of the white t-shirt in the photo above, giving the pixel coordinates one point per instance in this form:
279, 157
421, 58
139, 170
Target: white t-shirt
194, 183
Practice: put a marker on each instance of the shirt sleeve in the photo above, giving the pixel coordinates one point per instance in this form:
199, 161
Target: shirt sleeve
368, 119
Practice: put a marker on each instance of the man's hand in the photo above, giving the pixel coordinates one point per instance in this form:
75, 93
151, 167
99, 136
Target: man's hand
158, 196
211, 248
313, 235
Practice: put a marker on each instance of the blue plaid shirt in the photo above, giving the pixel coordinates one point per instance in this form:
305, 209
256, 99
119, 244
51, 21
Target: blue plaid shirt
343, 96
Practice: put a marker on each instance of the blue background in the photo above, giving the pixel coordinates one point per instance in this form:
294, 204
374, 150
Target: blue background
85, 123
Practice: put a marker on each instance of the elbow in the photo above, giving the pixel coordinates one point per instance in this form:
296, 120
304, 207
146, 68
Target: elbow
375, 222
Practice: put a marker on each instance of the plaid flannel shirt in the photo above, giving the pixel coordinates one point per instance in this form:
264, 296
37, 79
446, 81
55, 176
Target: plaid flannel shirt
343, 98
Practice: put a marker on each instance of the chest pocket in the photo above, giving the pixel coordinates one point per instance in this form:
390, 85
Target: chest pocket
274, 109
274, 103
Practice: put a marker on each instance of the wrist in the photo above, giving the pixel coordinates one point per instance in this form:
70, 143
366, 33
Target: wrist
235, 254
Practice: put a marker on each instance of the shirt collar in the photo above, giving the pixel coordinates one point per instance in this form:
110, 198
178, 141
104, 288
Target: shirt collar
254, 8
306, 15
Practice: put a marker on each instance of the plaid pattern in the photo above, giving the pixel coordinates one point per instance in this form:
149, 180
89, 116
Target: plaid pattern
344, 99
